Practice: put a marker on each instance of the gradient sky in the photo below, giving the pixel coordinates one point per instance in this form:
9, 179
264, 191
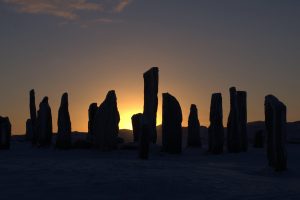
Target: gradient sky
87, 48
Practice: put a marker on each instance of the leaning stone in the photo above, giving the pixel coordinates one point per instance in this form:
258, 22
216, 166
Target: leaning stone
171, 125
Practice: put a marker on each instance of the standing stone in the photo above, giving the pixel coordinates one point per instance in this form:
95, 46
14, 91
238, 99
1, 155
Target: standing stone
151, 100
63, 140
275, 120
32, 134
216, 128
242, 110
259, 139
144, 140
5, 133
29, 129
233, 133
106, 125
193, 139
92, 113
171, 125
136, 121
44, 124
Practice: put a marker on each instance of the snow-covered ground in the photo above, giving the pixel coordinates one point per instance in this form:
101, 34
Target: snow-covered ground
32, 173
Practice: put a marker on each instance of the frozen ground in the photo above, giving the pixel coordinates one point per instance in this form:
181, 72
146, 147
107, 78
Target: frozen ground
31, 173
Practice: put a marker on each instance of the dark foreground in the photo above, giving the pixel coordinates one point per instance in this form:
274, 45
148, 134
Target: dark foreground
31, 173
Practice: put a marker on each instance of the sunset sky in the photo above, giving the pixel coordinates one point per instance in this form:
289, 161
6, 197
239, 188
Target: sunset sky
87, 48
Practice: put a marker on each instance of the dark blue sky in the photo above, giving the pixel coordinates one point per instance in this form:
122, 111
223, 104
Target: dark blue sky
89, 47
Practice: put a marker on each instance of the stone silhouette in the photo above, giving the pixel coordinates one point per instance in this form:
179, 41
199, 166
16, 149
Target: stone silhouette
92, 113
151, 100
193, 139
171, 125
29, 129
144, 140
136, 121
275, 120
259, 139
32, 134
5, 133
106, 123
63, 139
216, 128
233, 129
242, 109
44, 124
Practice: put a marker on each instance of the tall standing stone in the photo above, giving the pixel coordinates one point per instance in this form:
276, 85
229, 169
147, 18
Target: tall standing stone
171, 125
233, 128
92, 113
194, 139
275, 120
151, 100
32, 134
63, 140
5, 133
106, 124
136, 121
242, 110
216, 128
44, 124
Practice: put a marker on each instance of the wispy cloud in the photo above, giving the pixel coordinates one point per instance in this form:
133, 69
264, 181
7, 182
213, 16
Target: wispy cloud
122, 5
67, 9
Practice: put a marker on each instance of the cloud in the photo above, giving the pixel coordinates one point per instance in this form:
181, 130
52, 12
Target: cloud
67, 9
122, 5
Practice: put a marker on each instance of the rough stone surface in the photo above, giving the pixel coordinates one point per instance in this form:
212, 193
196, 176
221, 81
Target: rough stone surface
242, 109
44, 124
92, 113
259, 139
171, 125
151, 100
32, 134
193, 139
63, 139
275, 120
106, 123
5, 133
233, 128
216, 128
136, 121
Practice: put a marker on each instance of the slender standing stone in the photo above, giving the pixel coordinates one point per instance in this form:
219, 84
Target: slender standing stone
151, 100
32, 135
63, 140
92, 113
242, 110
194, 139
5, 133
216, 128
275, 120
44, 124
106, 125
136, 121
233, 128
171, 125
